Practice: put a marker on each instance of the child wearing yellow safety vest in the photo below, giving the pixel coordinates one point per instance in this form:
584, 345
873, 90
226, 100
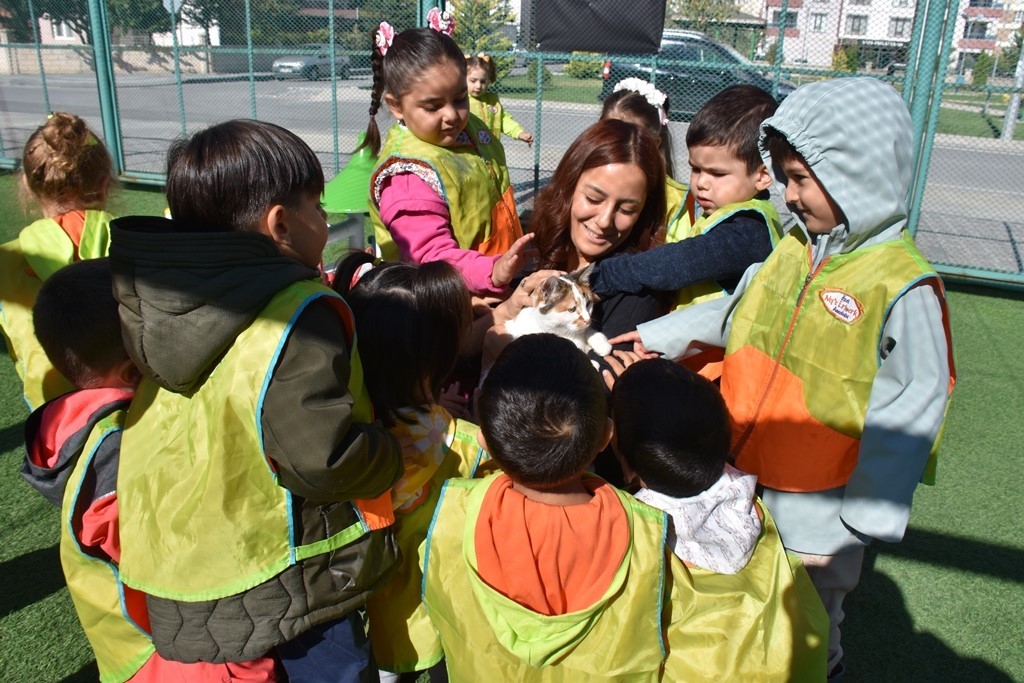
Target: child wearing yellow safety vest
672, 436
72, 451
546, 573
704, 258
838, 360
410, 320
441, 190
68, 173
256, 486
481, 73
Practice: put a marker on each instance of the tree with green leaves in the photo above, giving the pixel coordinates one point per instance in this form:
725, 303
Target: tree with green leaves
478, 25
699, 14
982, 68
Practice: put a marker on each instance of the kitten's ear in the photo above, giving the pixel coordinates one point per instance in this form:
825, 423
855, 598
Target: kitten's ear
583, 276
545, 293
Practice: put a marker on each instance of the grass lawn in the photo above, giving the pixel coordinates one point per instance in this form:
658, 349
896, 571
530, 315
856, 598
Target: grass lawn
947, 604
558, 89
974, 124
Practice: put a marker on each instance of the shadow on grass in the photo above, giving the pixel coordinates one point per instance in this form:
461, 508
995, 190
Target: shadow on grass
12, 438
87, 674
880, 642
37, 574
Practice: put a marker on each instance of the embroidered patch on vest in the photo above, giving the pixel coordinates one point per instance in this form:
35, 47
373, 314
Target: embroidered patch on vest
492, 109
841, 305
484, 137
463, 139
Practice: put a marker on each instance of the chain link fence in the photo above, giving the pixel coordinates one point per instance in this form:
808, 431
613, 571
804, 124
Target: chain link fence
145, 73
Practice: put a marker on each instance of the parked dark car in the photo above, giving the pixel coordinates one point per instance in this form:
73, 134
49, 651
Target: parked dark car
313, 62
691, 69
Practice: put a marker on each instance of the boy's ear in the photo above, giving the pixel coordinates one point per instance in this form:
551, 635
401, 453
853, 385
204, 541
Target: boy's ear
481, 441
275, 225
394, 105
762, 178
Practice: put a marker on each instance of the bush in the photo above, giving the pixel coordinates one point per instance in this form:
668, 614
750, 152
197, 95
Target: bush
982, 69
584, 68
531, 73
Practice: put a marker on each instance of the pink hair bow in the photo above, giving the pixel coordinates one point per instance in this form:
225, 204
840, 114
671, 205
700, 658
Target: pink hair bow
442, 22
385, 36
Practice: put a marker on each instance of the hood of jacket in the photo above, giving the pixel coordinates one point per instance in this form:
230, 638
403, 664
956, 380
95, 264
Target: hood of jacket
855, 135
184, 296
56, 434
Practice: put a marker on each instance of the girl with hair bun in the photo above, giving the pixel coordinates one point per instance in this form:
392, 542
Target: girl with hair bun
68, 173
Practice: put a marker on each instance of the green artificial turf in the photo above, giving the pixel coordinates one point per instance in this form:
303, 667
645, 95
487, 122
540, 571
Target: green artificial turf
947, 604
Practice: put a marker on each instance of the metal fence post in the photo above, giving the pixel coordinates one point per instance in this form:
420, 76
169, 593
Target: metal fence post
172, 10
105, 83
537, 124
249, 53
780, 48
334, 83
945, 22
39, 56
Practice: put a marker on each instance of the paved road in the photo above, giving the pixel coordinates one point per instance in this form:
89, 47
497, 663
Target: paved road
973, 213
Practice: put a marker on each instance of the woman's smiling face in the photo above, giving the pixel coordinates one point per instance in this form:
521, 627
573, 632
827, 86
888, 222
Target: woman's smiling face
605, 206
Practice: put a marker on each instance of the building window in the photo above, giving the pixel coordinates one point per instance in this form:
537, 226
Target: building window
899, 27
976, 29
901, 3
790, 18
818, 22
860, 2
857, 24
1018, 17
62, 30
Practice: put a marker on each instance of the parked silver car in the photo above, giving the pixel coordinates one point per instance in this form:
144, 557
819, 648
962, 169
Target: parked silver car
311, 61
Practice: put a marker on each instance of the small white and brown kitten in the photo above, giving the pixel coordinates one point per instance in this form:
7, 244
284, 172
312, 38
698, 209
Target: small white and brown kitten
562, 305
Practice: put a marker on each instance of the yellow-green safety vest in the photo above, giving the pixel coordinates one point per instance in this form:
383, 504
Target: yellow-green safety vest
803, 353
121, 646
41, 249
472, 178
488, 109
618, 638
401, 635
682, 229
764, 623
678, 201
195, 480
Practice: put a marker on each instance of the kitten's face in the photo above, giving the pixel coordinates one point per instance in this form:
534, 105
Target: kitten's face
566, 300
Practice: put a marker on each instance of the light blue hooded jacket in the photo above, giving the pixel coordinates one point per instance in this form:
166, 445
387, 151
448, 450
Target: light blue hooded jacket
855, 135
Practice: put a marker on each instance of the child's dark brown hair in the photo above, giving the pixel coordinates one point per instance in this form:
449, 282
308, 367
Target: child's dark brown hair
733, 118
410, 322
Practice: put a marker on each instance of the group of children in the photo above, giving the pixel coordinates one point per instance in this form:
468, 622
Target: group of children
261, 477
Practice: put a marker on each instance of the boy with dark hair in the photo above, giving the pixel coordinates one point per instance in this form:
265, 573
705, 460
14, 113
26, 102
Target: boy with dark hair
838, 358
672, 436
72, 452
739, 225
252, 464
525, 573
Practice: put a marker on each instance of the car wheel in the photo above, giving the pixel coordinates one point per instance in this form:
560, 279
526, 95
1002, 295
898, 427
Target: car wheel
313, 74
343, 74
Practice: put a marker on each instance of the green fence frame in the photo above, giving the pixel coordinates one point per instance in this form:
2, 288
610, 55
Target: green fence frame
923, 86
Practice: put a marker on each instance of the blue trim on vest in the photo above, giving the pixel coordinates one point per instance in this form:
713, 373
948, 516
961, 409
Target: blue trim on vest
426, 546
78, 546
476, 463
362, 520
661, 584
257, 417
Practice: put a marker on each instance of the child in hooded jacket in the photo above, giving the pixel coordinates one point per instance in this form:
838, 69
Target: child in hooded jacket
73, 445
838, 358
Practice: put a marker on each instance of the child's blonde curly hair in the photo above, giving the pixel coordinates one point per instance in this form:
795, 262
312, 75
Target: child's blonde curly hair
65, 163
